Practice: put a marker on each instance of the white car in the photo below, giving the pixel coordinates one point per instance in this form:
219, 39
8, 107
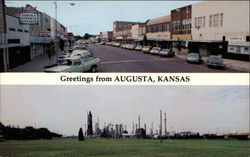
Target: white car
131, 46
155, 50
146, 49
194, 58
78, 52
138, 48
166, 52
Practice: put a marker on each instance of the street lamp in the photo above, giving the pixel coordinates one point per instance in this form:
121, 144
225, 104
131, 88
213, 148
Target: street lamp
55, 3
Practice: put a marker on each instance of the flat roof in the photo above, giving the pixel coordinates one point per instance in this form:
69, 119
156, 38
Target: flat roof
158, 20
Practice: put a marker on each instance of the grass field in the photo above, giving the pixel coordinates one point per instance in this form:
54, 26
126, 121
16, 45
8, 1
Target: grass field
125, 148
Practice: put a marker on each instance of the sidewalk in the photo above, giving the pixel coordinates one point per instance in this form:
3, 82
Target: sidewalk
36, 65
230, 63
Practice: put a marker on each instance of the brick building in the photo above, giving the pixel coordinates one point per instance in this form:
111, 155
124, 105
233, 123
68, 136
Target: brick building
181, 27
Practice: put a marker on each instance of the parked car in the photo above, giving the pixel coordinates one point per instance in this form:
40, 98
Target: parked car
109, 43
116, 44
194, 58
77, 64
131, 46
79, 53
61, 58
155, 50
123, 46
146, 49
166, 52
80, 46
215, 61
138, 47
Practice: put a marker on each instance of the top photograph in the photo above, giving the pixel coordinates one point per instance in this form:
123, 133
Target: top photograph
124, 36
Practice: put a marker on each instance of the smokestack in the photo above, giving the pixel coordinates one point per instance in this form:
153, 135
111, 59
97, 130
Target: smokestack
97, 122
152, 128
133, 131
139, 121
145, 128
160, 131
165, 122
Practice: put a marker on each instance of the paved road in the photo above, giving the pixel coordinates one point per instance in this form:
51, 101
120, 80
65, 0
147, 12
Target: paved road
116, 59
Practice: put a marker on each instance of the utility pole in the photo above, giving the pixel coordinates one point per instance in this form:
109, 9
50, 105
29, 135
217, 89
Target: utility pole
55, 2
160, 131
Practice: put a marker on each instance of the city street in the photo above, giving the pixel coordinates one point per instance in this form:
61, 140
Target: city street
116, 59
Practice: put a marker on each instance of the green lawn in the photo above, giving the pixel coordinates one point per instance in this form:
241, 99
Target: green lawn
125, 148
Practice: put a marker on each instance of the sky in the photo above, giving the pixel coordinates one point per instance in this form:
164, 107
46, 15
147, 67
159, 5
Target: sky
97, 16
63, 109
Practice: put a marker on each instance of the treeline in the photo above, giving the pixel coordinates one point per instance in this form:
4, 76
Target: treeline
27, 133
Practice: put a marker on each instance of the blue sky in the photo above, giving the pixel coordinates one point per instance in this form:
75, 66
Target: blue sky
96, 16
63, 109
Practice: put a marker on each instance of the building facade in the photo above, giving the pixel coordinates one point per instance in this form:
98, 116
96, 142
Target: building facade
138, 31
106, 36
3, 49
122, 28
181, 28
159, 31
181, 23
222, 22
17, 34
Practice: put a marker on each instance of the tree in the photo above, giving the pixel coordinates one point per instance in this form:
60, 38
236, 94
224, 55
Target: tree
86, 36
179, 45
50, 51
61, 43
80, 135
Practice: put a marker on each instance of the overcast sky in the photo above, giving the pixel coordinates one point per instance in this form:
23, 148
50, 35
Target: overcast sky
97, 16
63, 109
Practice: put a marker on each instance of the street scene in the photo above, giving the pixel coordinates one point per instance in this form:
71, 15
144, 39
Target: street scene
182, 39
143, 121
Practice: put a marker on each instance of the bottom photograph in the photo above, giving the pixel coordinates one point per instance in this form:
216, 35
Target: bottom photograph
127, 121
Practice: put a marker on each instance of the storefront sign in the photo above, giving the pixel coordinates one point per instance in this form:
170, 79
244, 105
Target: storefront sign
29, 18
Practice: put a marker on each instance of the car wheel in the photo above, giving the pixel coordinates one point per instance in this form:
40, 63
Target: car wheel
93, 69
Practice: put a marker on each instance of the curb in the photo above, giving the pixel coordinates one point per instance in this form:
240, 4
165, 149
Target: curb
228, 67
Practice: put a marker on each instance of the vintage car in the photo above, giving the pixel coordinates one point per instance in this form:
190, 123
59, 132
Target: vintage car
83, 63
138, 48
155, 50
215, 61
194, 58
166, 52
78, 52
131, 46
146, 49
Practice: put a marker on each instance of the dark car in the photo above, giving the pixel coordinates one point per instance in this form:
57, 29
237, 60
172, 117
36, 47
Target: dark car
215, 61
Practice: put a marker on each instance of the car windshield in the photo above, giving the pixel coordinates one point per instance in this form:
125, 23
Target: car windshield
165, 50
215, 57
195, 55
156, 48
67, 62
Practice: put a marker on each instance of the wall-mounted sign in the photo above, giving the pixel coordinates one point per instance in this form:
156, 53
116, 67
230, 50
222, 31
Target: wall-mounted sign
29, 18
